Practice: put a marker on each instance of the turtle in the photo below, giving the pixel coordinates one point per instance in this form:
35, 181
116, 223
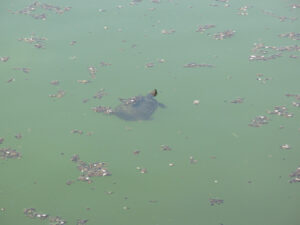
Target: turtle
134, 108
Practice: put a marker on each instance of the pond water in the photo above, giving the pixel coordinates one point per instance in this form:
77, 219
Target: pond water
224, 150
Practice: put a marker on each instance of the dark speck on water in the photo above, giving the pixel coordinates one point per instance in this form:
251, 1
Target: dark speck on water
18, 136
214, 201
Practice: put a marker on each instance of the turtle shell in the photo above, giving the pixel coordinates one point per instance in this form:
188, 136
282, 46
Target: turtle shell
137, 108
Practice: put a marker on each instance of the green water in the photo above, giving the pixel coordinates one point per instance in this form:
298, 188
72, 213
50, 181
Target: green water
242, 165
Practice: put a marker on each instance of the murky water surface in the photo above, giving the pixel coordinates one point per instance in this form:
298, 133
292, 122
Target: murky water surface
224, 150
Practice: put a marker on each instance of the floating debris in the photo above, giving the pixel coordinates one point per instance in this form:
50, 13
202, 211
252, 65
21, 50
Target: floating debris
69, 182
260, 77
57, 220
280, 111
38, 42
83, 81
291, 35
54, 82
75, 158
92, 71
220, 2
59, 94
149, 65
38, 6
288, 48
24, 70
295, 6
142, 170
205, 27
1, 140
214, 201
243, 11
263, 52
171, 31
171, 164
281, 18
81, 222
193, 160
11, 80
293, 56
105, 64
4, 59
136, 152
96, 169
73, 43
237, 101
99, 95
18, 136
90, 133
8, 153
196, 65
103, 109
196, 102
259, 121
285, 147
263, 57
76, 131
224, 35
73, 57
32, 213
85, 100
134, 2
165, 148
296, 97
223, 1
296, 176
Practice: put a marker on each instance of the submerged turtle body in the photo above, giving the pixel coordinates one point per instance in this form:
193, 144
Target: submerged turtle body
138, 107
135, 108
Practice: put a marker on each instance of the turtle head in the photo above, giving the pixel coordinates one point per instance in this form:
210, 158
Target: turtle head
154, 92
